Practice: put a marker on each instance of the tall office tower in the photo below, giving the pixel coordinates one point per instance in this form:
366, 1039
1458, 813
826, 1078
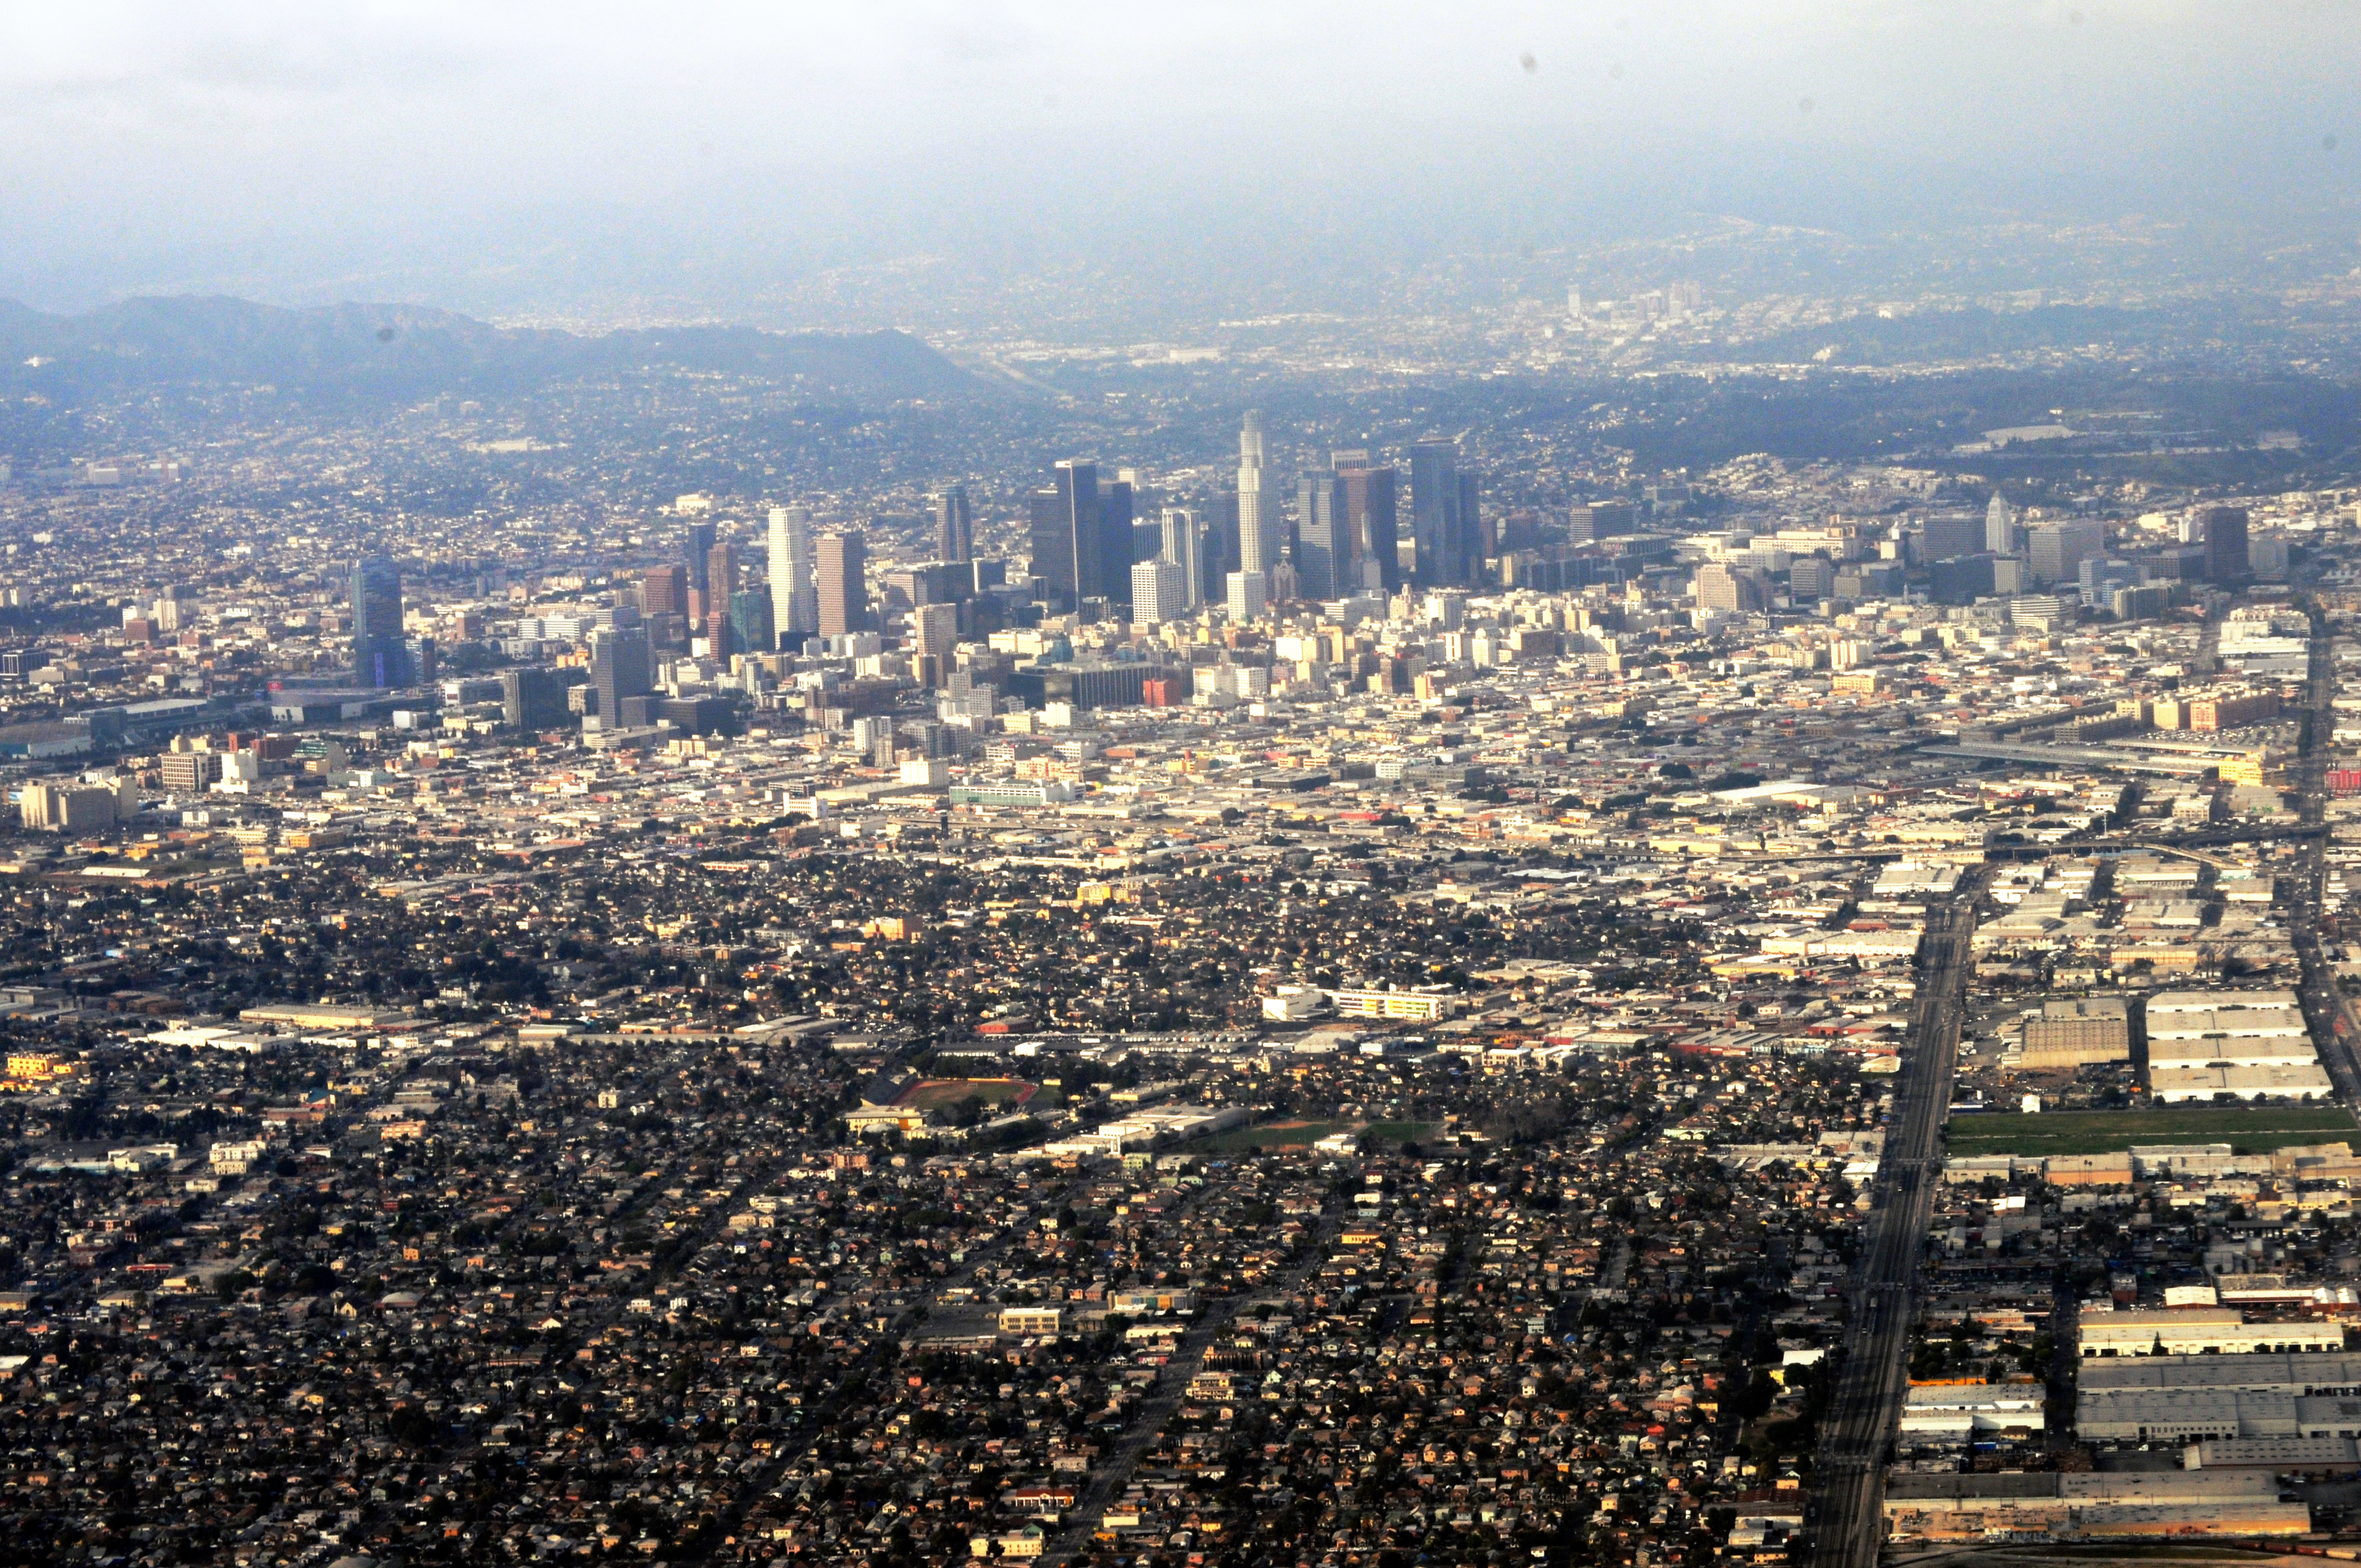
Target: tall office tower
1081, 536
720, 593
2225, 543
1719, 588
752, 630
378, 652
700, 550
1146, 535
1249, 596
419, 660
1371, 523
1949, 535
1595, 521
1435, 525
1323, 546
1476, 544
1157, 594
1221, 543
1184, 546
663, 590
795, 598
619, 668
954, 525
2056, 551
1118, 542
1048, 547
1257, 520
532, 698
843, 584
2001, 535
934, 635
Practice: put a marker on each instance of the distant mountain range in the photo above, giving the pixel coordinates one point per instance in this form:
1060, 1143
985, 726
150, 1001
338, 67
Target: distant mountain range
411, 350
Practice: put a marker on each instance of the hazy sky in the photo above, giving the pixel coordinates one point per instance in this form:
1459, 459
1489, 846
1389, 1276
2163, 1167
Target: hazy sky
314, 150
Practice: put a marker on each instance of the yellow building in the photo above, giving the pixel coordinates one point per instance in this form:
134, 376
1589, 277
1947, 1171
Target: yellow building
31, 1070
2256, 767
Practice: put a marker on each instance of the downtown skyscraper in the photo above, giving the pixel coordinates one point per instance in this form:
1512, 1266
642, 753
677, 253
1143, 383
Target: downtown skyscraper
843, 582
1371, 525
1257, 513
379, 657
1081, 537
954, 525
1323, 545
794, 592
620, 668
1445, 522
1184, 542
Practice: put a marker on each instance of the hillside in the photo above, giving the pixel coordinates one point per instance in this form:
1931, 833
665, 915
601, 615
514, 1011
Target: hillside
411, 350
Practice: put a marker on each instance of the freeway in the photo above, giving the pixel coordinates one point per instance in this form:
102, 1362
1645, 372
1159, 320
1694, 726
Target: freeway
1846, 1520
2325, 1007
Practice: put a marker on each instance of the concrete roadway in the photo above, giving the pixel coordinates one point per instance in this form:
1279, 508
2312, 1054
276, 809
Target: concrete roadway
2325, 1007
1846, 1519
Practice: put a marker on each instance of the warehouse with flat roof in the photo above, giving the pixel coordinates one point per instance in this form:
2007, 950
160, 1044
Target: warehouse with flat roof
2240, 1502
2182, 1415
2199, 1331
2278, 1455
2337, 1372
1949, 1413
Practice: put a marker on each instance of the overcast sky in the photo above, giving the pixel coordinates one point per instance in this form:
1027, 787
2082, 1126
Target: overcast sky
306, 150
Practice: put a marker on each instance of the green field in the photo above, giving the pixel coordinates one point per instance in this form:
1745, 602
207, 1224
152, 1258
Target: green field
1406, 1132
937, 1093
1293, 1135
2105, 1132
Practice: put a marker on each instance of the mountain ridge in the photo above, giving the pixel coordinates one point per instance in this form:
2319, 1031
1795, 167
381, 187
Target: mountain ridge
409, 350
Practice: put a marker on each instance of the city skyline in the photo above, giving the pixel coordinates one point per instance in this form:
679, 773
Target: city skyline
1527, 786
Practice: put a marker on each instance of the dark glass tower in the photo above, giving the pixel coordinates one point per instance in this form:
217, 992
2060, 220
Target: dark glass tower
619, 668
954, 525
378, 657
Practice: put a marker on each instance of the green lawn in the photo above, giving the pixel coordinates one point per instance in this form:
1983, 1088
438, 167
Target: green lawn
936, 1094
1296, 1135
1406, 1132
2104, 1132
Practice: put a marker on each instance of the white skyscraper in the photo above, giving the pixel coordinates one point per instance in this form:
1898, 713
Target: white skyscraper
1249, 596
1257, 548
1155, 593
794, 591
1184, 546
2056, 551
2001, 535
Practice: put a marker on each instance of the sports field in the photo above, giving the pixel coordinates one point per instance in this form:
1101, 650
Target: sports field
1290, 1135
936, 1094
2105, 1132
